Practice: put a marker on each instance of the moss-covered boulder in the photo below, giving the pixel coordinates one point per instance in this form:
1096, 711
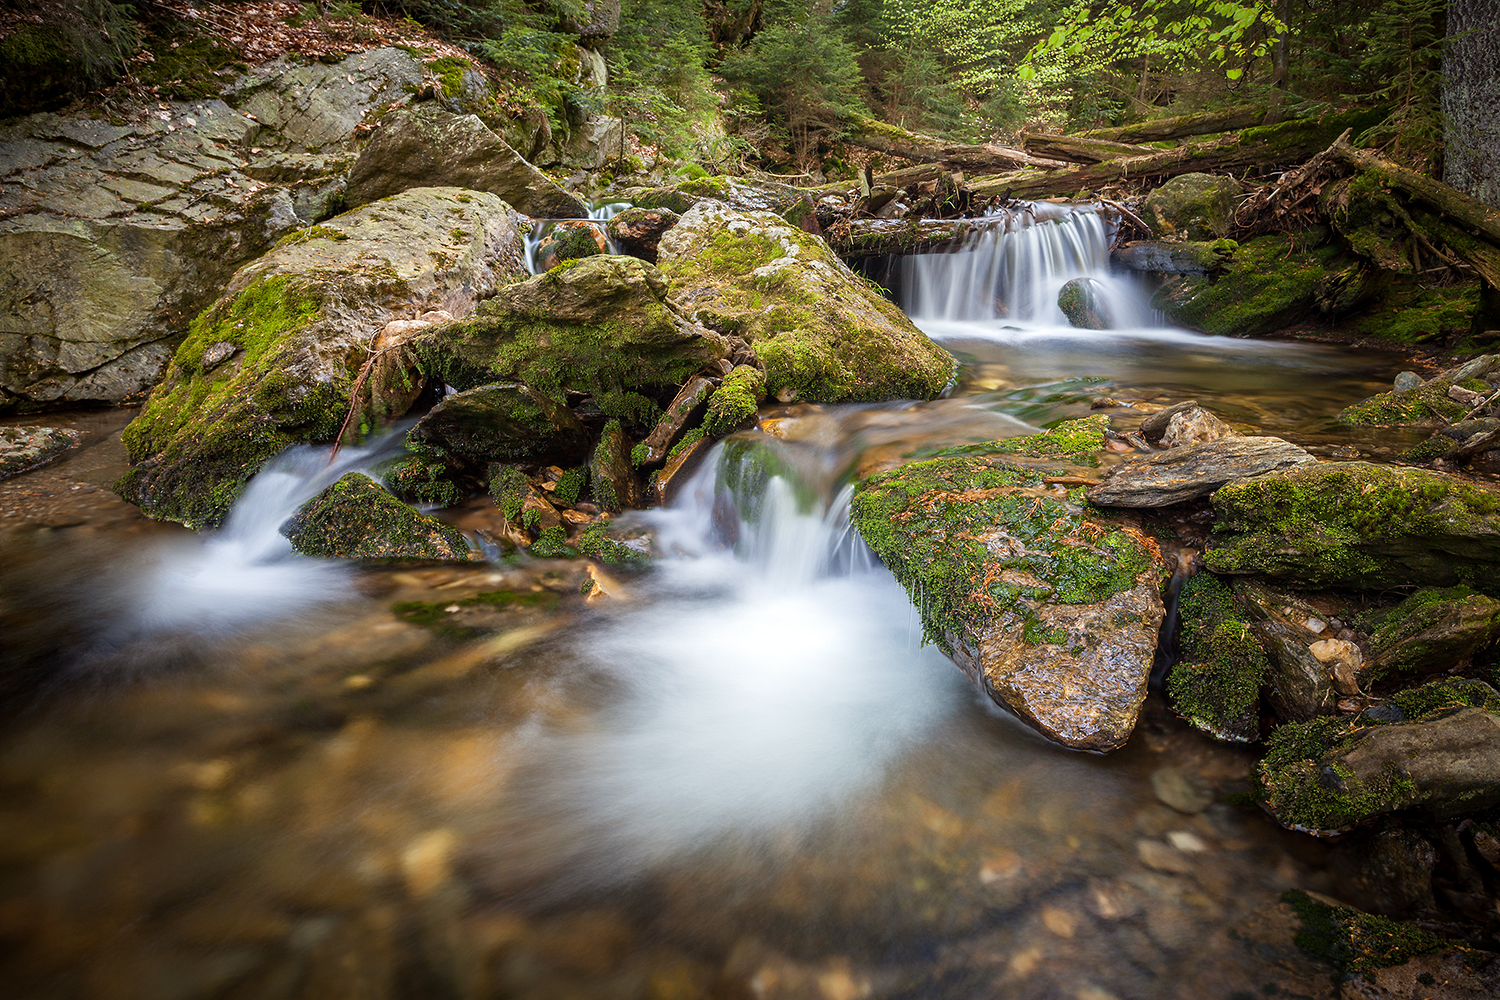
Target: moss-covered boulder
1216, 684
1268, 284
600, 325
356, 519
1431, 403
1432, 631
567, 241
273, 362
1193, 206
1364, 946
1436, 747
1354, 524
824, 333
1083, 302
1054, 614
425, 145
637, 231
734, 402
503, 422
612, 477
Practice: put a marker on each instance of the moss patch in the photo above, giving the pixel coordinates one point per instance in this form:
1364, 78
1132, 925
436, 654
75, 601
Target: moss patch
1359, 942
1076, 442
356, 519
455, 619
1216, 686
734, 402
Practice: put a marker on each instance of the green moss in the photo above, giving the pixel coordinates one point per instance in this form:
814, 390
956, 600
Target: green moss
510, 488
1077, 442
1359, 942
1441, 695
190, 69
424, 476
689, 439
446, 617
552, 543
1356, 524
1268, 285
356, 519
571, 485
734, 403
309, 234
639, 454
1462, 620
450, 73
928, 521
1216, 686
596, 543
1428, 403
1409, 314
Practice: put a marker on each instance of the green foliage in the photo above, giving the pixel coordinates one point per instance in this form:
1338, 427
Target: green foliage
1359, 942
1402, 69
659, 83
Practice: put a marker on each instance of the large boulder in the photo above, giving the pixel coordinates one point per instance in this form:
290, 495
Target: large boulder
1193, 206
504, 422
1354, 524
1052, 613
273, 362
1262, 286
356, 519
824, 333
600, 325
425, 145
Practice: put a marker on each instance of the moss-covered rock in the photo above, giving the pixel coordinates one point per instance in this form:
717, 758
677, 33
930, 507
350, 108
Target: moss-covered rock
740, 193
824, 334
1430, 403
734, 402
427, 475
356, 519
1054, 614
612, 477
25, 448
567, 241
297, 324
1437, 747
1193, 206
1216, 685
1297, 685
600, 325
503, 422
527, 511
1354, 524
1071, 442
1082, 301
1430, 632
637, 231
1361, 943
1268, 284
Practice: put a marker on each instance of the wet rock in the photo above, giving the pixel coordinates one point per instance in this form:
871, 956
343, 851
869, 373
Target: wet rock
1082, 301
303, 317
684, 412
1051, 613
601, 326
25, 448
1297, 685
822, 332
1407, 381
681, 465
1330, 774
527, 511
570, 241
1458, 442
1193, 206
1358, 525
612, 477
1341, 658
1180, 790
1154, 425
1175, 257
426, 146
637, 231
1388, 872
734, 403
1194, 426
1455, 972
1265, 284
356, 519
1429, 403
1193, 470
1216, 685
504, 422
1432, 631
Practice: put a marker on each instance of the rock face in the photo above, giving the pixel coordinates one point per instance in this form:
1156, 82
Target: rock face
1263, 285
1193, 470
505, 422
824, 334
637, 231
356, 519
25, 448
1082, 301
1330, 774
1193, 206
273, 361
425, 146
601, 326
1053, 614
1353, 524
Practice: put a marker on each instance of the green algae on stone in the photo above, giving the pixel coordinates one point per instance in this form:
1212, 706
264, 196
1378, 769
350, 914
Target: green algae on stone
823, 334
472, 617
503, 422
356, 519
1354, 524
598, 543
1427, 404
734, 402
425, 475
1216, 684
1076, 442
1357, 942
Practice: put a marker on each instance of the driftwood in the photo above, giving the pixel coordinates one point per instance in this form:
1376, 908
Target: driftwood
895, 141
1077, 149
1186, 126
1261, 149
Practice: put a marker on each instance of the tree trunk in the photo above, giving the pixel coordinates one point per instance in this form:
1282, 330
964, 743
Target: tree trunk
1471, 94
871, 134
1183, 126
1078, 150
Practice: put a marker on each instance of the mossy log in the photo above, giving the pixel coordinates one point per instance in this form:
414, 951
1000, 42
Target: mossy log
1185, 126
1077, 149
1263, 148
896, 141
880, 237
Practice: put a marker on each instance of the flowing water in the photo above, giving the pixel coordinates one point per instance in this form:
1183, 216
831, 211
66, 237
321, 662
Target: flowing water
228, 771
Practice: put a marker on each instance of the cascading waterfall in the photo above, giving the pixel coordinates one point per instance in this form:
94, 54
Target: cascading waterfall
1012, 269
598, 215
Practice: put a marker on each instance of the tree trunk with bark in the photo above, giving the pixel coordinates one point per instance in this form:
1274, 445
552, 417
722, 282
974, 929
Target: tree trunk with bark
1076, 149
1184, 126
1471, 96
987, 158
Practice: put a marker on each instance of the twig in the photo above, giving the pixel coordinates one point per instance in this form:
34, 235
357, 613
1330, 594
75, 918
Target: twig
1128, 214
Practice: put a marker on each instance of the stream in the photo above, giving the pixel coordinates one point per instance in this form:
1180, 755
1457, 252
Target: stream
228, 771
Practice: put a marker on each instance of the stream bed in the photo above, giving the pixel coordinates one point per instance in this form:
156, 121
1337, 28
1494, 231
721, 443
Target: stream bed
226, 771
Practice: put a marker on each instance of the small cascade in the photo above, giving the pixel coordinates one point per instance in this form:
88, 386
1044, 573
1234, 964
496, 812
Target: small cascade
545, 231
1012, 270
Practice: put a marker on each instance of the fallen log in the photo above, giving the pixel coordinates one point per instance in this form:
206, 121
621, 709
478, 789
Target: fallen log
1260, 149
1077, 149
1185, 126
868, 133
882, 237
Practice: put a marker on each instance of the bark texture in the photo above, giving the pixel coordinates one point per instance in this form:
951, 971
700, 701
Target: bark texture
1471, 93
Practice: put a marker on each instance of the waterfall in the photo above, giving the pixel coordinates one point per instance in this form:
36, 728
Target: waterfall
541, 229
1012, 269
